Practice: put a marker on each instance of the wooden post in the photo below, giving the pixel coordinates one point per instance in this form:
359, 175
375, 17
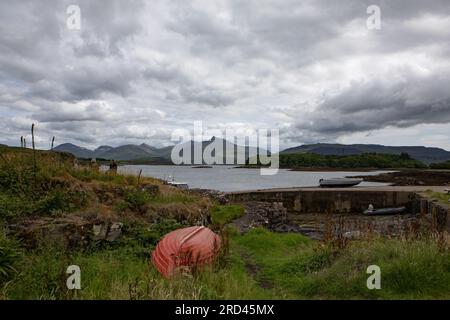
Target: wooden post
34, 153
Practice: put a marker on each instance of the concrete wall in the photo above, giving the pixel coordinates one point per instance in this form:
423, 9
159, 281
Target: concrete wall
355, 201
437, 213
314, 201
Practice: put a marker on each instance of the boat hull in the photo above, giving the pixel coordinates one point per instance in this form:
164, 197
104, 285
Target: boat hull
339, 183
184, 249
385, 211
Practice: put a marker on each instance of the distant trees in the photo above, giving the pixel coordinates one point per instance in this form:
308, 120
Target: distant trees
441, 165
365, 160
405, 156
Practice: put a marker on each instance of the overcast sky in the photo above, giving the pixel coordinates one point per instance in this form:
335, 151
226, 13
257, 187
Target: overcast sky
136, 71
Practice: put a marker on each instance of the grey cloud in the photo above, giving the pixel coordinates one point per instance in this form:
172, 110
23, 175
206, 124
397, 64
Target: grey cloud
207, 96
93, 112
309, 67
377, 104
106, 25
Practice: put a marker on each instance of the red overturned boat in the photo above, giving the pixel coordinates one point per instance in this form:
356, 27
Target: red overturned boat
185, 248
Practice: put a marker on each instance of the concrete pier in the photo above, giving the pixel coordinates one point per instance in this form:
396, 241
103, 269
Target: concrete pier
339, 200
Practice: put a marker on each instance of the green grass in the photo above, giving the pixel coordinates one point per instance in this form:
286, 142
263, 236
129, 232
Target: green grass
260, 265
116, 273
9, 255
224, 214
442, 197
302, 269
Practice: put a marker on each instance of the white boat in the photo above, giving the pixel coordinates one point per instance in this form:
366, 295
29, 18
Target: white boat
339, 182
180, 185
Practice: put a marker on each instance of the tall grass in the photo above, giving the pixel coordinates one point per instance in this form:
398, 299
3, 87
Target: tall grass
117, 274
410, 269
10, 255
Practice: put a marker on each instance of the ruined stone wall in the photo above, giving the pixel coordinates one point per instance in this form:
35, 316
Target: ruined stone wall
437, 213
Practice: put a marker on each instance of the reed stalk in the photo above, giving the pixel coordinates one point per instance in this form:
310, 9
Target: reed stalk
139, 177
34, 153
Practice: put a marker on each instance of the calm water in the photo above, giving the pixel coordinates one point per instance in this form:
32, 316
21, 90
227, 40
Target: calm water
227, 178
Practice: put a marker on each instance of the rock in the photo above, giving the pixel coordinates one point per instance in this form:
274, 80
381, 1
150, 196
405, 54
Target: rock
115, 231
99, 231
219, 196
105, 231
70, 231
352, 234
263, 214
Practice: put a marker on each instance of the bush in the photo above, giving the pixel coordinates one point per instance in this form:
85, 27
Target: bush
135, 200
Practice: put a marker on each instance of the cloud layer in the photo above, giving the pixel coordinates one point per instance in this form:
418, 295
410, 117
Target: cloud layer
139, 70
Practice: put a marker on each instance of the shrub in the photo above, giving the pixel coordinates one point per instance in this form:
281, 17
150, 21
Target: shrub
136, 200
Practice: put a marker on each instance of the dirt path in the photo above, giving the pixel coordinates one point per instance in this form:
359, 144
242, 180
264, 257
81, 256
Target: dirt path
255, 271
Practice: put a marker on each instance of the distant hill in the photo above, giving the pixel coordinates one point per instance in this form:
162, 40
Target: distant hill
77, 151
425, 154
124, 153
239, 152
145, 153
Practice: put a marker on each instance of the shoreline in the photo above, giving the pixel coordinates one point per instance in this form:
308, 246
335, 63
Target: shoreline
411, 178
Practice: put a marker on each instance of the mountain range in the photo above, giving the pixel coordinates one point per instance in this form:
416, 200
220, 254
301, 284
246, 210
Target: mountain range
424, 154
149, 154
145, 153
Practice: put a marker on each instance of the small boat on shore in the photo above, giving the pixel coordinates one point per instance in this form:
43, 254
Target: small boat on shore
339, 182
383, 211
184, 249
181, 185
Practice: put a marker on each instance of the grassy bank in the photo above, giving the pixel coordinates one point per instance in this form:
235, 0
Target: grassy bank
261, 265
301, 268
35, 200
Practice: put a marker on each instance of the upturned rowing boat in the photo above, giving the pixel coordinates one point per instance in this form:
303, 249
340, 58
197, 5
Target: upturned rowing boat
184, 249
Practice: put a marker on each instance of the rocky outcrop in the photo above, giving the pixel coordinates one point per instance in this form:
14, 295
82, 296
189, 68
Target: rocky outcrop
272, 216
70, 231
216, 195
